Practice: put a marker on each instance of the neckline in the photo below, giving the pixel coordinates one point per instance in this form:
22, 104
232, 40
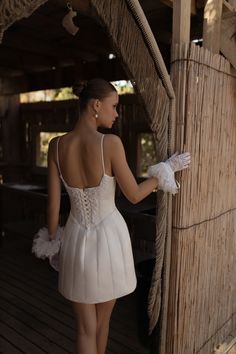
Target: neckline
87, 188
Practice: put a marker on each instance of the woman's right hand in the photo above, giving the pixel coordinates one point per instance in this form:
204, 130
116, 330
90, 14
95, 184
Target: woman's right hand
179, 162
164, 171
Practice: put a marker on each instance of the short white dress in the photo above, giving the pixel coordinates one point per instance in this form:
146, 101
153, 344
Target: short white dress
96, 261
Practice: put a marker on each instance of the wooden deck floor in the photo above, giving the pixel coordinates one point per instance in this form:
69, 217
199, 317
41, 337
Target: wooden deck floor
36, 319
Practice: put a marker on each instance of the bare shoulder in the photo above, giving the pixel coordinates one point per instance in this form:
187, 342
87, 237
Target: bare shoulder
113, 141
53, 142
52, 145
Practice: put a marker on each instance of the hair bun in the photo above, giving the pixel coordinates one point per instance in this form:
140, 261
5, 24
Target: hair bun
79, 87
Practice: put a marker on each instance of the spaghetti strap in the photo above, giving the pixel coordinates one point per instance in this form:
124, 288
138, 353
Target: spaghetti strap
58, 164
103, 166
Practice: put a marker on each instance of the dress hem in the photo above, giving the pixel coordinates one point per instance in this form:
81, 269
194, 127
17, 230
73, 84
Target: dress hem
101, 300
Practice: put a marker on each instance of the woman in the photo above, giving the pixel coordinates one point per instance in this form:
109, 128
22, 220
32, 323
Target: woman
96, 261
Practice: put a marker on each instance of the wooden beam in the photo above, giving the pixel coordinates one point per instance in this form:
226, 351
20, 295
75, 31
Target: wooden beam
3, 105
22, 60
212, 25
11, 126
50, 29
29, 44
227, 8
181, 21
110, 70
228, 35
233, 3
193, 5
85, 45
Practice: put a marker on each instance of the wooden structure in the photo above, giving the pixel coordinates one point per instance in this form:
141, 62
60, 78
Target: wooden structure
194, 247
203, 237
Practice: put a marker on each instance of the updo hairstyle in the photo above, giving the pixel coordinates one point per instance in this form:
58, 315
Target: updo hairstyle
95, 88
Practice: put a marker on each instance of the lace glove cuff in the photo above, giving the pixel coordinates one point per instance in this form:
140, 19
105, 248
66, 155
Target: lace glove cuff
179, 162
165, 176
43, 247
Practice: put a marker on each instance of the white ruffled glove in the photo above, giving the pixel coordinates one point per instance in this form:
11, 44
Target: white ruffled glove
43, 247
164, 171
179, 162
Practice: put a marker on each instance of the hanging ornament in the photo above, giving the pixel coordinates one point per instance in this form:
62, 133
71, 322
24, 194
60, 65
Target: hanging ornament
67, 21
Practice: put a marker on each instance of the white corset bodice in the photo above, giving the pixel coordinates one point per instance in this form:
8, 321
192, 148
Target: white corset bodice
91, 205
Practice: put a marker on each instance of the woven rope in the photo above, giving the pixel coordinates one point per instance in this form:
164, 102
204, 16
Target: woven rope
14, 10
138, 51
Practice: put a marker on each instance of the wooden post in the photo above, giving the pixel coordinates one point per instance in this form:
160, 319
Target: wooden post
233, 3
228, 35
193, 5
11, 130
212, 25
181, 21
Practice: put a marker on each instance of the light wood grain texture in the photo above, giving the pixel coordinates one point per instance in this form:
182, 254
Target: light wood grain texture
212, 25
228, 33
193, 5
181, 21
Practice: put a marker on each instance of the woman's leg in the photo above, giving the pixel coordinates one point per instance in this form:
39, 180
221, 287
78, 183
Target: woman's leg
86, 325
104, 311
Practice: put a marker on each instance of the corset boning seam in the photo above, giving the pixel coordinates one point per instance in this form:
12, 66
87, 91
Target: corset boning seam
91, 224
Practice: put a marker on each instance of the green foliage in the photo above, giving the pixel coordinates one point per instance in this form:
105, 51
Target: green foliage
64, 93
123, 87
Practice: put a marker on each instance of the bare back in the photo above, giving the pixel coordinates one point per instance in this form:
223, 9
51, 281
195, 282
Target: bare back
81, 159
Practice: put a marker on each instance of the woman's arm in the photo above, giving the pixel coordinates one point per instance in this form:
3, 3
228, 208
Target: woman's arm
54, 191
134, 192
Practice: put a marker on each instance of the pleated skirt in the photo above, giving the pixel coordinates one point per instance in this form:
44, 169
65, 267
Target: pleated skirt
96, 263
